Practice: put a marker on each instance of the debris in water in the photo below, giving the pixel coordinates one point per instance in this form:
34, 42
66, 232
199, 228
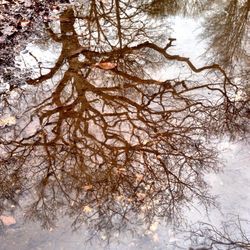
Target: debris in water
7, 220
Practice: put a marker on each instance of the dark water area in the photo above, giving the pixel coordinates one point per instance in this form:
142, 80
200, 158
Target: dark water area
108, 131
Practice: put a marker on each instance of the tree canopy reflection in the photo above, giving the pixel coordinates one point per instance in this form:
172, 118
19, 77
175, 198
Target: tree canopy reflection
102, 140
228, 34
225, 27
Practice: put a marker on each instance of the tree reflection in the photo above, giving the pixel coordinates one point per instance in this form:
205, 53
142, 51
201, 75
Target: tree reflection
226, 27
232, 234
102, 140
172, 7
228, 33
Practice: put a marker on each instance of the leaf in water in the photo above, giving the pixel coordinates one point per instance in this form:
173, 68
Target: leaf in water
119, 197
87, 187
121, 170
106, 65
155, 237
7, 220
25, 23
141, 196
139, 177
7, 121
153, 227
87, 209
103, 237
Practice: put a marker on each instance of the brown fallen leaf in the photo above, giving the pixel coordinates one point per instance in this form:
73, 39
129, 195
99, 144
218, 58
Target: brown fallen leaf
7, 220
25, 23
88, 187
106, 65
139, 177
121, 170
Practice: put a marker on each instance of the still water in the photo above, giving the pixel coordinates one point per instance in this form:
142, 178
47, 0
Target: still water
116, 122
